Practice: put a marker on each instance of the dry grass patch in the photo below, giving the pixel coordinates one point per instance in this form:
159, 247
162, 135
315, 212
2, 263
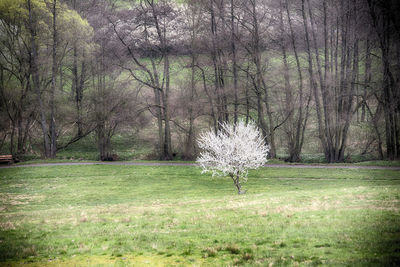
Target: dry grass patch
7, 225
19, 199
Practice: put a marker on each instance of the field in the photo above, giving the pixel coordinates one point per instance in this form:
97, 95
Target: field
102, 215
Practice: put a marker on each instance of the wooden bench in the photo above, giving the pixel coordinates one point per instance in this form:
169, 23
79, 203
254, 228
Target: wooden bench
6, 158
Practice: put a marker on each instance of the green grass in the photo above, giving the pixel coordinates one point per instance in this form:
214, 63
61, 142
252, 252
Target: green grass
383, 163
379, 163
126, 146
139, 215
40, 161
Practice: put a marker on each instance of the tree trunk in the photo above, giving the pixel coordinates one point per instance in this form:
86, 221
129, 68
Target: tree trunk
375, 122
53, 136
313, 84
223, 67
168, 143
36, 82
78, 84
210, 100
237, 184
261, 86
327, 127
288, 107
298, 125
234, 66
167, 153
189, 144
261, 119
380, 14
247, 95
12, 148
367, 77
217, 68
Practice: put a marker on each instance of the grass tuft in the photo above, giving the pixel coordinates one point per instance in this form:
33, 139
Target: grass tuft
210, 252
233, 248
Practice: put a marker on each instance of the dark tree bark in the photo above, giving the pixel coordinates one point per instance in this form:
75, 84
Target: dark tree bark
237, 184
189, 153
78, 82
165, 90
367, 78
312, 81
288, 107
299, 125
36, 81
383, 24
53, 134
219, 84
189, 144
234, 65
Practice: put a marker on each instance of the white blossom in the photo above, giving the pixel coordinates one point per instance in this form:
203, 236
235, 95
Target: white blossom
232, 151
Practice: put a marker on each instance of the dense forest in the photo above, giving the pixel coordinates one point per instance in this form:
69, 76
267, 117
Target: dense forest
315, 76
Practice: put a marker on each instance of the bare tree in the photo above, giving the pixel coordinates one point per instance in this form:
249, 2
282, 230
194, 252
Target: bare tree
152, 21
251, 22
53, 134
35, 77
296, 112
19, 113
334, 101
387, 29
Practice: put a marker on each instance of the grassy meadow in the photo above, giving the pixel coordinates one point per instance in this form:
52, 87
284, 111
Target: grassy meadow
101, 215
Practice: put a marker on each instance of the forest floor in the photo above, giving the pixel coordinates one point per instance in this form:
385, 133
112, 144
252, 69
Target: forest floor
125, 215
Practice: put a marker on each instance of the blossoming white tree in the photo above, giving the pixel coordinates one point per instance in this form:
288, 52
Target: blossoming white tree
232, 151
